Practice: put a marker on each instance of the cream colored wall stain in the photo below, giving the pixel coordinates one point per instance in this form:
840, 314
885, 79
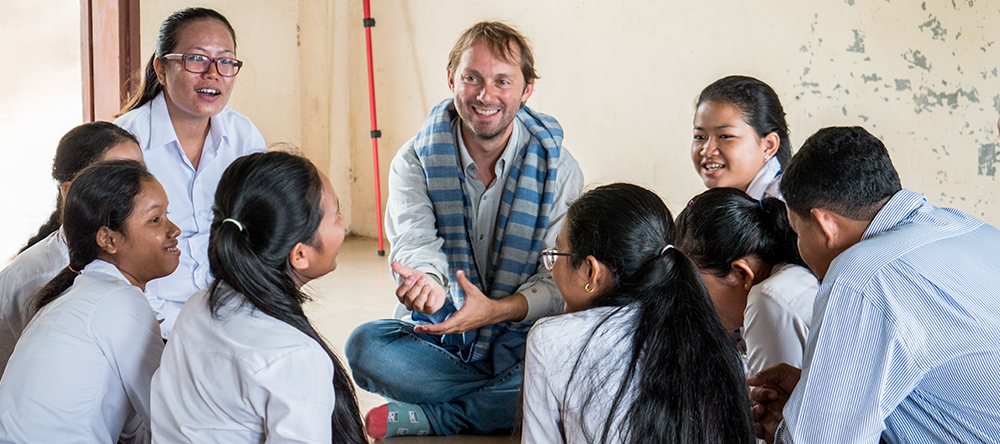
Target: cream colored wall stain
622, 76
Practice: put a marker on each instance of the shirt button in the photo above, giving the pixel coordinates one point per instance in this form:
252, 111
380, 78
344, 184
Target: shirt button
534, 290
480, 237
484, 197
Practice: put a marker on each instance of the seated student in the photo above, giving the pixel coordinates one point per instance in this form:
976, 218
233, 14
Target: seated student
640, 355
740, 137
81, 370
748, 257
907, 321
46, 253
244, 365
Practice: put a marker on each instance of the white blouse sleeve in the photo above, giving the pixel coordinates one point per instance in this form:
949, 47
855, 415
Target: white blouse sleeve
541, 422
774, 334
129, 336
294, 396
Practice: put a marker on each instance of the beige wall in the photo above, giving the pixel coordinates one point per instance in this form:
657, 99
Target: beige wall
622, 76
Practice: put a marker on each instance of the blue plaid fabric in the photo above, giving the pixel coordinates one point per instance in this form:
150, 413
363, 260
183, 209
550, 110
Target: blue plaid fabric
521, 222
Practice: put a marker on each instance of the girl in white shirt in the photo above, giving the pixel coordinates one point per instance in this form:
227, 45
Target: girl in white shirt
189, 137
640, 356
748, 256
46, 252
81, 371
740, 136
244, 364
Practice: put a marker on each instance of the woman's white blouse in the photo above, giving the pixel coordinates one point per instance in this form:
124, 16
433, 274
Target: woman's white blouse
29, 271
767, 182
777, 318
81, 371
190, 189
243, 377
551, 409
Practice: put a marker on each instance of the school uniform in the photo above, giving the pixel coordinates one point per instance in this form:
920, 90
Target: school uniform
190, 189
551, 410
767, 182
81, 371
777, 318
240, 377
29, 271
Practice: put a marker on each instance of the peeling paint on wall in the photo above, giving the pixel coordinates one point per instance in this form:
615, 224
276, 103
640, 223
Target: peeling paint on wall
872, 78
934, 26
859, 42
930, 98
903, 84
988, 157
915, 58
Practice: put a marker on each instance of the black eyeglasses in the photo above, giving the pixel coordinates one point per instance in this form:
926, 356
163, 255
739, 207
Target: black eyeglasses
200, 64
549, 256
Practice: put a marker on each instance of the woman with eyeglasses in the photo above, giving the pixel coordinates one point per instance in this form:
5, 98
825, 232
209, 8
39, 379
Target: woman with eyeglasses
640, 355
189, 137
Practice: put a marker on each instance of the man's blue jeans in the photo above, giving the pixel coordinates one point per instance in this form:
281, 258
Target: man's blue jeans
388, 358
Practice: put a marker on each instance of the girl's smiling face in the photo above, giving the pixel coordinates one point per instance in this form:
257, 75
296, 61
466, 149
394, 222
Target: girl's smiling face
726, 150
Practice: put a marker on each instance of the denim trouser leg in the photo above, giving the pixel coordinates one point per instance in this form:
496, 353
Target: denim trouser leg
388, 358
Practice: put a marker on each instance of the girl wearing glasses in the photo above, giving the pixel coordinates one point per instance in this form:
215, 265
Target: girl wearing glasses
640, 355
189, 137
740, 137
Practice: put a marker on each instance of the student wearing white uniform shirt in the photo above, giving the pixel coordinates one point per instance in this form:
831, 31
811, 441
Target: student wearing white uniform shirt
640, 355
46, 252
244, 364
81, 371
740, 137
746, 252
189, 137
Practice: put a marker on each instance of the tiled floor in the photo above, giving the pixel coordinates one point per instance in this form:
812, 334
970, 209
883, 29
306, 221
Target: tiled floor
361, 290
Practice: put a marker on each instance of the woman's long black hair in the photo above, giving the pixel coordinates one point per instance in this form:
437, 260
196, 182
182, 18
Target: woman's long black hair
684, 376
759, 105
78, 148
166, 42
723, 225
275, 197
102, 195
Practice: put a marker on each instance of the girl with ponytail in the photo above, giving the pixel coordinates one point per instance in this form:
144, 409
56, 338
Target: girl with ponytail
81, 370
46, 252
189, 136
640, 356
244, 364
748, 256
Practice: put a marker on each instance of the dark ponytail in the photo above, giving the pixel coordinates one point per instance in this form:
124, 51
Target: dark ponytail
723, 225
81, 146
759, 105
102, 195
275, 197
170, 31
685, 373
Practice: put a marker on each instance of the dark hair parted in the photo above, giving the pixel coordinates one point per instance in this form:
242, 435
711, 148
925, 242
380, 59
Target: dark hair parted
685, 372
102, 195
723, 225
78, 148
845, 170
276, 198
170, 34
759, 105
499, 38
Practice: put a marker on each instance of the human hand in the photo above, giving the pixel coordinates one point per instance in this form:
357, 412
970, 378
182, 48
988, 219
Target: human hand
771, 389
419, 292
477, 311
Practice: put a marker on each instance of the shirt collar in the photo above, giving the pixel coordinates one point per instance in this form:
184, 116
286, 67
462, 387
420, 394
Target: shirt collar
161, 130
758, 186
509, 151
899, 206
102, 267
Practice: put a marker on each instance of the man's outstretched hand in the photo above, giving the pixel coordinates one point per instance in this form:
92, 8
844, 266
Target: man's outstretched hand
418, 292
771, 390
478, 311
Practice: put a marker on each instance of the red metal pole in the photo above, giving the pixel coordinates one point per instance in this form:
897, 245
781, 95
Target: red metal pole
369, 24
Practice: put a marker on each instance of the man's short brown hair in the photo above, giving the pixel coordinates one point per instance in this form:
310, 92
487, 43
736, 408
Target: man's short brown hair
499, 37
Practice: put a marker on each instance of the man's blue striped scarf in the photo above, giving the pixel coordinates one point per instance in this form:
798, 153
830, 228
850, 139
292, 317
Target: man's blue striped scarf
520, 228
